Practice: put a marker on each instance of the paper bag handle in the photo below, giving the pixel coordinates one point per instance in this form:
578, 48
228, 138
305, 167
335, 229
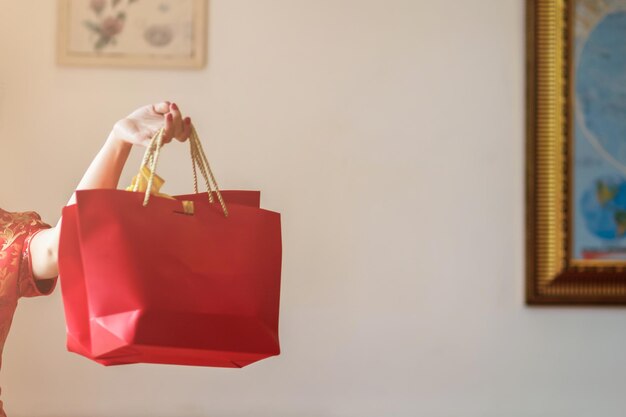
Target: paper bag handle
199, 161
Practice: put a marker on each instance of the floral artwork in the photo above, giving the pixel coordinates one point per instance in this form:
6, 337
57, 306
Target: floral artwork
107, 25
169, 33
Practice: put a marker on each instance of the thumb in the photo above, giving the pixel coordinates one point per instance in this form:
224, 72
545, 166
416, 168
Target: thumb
161, 108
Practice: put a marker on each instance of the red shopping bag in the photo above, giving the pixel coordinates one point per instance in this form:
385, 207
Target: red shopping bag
158, 284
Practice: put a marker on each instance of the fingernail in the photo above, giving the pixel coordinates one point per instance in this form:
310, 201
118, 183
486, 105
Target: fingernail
174, 106
188, 120
169, 117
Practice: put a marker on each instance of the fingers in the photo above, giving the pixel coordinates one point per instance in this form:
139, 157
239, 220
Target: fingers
179, 125
186, 131
180, 128
175, 126
169, 130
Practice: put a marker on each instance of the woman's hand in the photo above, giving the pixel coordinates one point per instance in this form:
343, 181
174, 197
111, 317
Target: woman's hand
139, 127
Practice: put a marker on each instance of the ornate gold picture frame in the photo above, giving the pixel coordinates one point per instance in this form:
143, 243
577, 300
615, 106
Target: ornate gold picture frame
576, 186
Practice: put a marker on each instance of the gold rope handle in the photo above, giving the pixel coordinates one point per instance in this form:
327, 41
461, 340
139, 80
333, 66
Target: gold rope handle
154, 158
193, 166
200, 152
198, 159
147, 156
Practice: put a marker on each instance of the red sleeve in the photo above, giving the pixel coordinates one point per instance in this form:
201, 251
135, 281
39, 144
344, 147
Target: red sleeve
27, 284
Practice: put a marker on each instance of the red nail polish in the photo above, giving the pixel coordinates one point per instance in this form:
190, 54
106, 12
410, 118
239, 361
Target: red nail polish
169, 117
174, 106
188, 120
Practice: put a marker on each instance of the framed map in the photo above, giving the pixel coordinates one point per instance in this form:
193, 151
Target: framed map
576, 151
133, 33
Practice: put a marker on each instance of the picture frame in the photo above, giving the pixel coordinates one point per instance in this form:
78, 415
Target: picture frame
575, 240
166, 34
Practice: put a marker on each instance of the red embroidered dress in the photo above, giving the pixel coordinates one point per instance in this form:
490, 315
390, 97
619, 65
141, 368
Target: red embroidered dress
16, 277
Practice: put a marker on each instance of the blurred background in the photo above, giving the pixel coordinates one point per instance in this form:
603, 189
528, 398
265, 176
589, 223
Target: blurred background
390, 135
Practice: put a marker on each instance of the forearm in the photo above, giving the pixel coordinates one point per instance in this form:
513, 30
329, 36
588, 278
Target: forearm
106, 168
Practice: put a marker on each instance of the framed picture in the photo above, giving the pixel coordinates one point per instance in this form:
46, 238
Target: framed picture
576, 152
132, 33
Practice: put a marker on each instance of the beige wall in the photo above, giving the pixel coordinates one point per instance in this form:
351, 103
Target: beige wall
390, 136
